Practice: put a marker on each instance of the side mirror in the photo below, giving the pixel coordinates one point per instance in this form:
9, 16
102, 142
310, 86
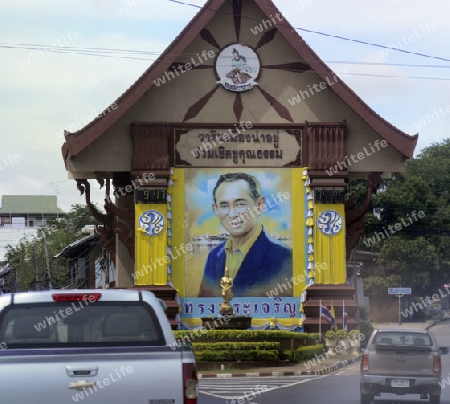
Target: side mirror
443, 350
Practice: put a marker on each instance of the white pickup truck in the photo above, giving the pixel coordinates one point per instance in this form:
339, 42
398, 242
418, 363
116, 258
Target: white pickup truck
91, 346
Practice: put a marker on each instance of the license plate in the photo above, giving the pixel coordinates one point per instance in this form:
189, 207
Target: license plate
400, 383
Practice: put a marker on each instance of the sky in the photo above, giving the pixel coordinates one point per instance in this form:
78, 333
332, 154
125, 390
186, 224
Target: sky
43, 92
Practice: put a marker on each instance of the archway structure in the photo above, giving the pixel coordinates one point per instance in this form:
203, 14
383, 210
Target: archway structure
238, 91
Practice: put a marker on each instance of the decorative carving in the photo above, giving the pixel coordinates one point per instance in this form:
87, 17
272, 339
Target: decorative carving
267, 37
279, 108
117, 220
238, 107
354, 215
105, 233
327, 145
195, 109
237, 15
150, 147
208, 37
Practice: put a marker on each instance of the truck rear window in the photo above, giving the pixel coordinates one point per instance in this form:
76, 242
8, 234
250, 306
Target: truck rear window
79, 325
402, 338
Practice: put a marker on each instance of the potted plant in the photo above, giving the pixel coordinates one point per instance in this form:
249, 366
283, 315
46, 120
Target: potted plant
354, 336
330, 341
343, 341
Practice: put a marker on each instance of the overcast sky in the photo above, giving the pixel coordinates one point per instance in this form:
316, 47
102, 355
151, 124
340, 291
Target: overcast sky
42, 93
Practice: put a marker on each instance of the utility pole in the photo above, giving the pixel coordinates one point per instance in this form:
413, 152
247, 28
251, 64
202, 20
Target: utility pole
50, 286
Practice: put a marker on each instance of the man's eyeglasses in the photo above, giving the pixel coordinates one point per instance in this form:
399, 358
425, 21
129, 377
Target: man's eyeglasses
240, 207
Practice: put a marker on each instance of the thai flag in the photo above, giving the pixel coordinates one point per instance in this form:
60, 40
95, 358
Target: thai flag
326, 314
345, 317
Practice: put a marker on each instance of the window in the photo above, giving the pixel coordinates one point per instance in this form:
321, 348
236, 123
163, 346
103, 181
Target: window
402, 338
80, 324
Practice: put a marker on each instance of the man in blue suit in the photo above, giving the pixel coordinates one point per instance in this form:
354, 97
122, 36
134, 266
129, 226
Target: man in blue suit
257, 262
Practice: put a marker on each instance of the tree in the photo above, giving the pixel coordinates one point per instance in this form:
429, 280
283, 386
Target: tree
29, 258
412, 211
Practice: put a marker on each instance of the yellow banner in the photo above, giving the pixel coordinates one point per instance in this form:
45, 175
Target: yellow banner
329, 244
151, 244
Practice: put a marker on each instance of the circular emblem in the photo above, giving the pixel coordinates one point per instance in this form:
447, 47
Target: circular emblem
151, 222
330, 222
237, 67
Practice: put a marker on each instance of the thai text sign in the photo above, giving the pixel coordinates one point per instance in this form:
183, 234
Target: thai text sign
233, 148
257, 307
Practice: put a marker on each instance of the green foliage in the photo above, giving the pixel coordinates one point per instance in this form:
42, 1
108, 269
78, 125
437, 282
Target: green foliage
376, 287
215, 346
366, 330
330, 334
302, 354
363, 313
248, 355
341, 334
248, 345
354, 334
54, 236
308, 352
413, 210
257, 355
273, 335
411, 260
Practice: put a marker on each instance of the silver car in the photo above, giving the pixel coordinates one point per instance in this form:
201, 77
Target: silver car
402, 361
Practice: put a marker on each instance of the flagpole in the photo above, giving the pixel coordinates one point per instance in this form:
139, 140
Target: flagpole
331, 310
320, 321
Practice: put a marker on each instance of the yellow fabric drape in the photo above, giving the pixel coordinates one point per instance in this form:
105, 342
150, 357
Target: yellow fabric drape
329, 251
298, 231
151, 251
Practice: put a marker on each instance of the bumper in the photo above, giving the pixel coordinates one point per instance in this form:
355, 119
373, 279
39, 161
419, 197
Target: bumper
374, 384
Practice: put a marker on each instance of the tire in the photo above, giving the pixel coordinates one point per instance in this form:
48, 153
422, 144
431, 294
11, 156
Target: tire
367, 398
435, 399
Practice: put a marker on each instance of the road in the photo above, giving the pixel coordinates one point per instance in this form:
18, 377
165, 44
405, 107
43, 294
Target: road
338, 387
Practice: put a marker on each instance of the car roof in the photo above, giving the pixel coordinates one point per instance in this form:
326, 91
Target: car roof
408, 330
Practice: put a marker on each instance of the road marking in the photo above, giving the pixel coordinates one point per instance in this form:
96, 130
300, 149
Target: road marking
236, 388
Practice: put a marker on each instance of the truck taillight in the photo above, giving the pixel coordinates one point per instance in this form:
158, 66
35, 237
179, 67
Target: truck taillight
365, 363
76, 297
437, 369
190, 383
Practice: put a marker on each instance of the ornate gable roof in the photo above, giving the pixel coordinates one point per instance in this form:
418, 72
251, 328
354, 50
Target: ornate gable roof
78, 141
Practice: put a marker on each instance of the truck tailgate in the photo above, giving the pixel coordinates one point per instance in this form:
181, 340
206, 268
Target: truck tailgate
404, 361
110, 376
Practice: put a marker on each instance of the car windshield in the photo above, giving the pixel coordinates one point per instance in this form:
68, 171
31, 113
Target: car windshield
402, 338
80, 324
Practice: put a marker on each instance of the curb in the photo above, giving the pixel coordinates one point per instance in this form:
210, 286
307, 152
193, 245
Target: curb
323, 371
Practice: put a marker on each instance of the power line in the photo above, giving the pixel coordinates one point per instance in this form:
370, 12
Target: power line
348, 62
74, 50
343, 38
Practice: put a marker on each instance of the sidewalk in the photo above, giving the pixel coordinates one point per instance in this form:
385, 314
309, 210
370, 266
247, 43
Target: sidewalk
320, 367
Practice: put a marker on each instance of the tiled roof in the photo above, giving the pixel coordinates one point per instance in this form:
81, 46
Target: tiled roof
15, 204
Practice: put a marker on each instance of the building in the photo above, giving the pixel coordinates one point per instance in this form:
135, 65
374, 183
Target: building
234, 94
90, 266
22, 215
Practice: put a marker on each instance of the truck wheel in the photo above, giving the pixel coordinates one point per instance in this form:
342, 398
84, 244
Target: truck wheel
435, 399
367, 399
